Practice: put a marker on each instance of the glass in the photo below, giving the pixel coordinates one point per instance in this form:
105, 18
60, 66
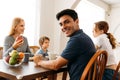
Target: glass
26, 59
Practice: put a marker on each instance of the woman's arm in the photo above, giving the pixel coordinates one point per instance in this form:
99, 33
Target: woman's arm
7, 47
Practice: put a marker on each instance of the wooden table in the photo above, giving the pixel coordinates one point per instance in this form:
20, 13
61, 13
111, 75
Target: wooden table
27, 71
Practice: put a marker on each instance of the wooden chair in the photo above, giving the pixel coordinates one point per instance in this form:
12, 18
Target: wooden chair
34, 49
95, 67
116, 71
1, 52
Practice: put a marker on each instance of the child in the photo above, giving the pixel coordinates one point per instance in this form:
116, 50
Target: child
105, 41
44, 44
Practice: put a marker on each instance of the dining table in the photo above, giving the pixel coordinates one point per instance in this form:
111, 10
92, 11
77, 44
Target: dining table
28, 71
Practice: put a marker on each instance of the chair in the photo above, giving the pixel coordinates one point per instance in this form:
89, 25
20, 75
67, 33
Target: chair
34, 49
95, 67
116, 71
1, 52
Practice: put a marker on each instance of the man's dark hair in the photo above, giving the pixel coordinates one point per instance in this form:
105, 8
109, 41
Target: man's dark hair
68, 12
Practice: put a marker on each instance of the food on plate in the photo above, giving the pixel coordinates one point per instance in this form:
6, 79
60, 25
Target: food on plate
14, 57
20, 39
21, 54
7, 58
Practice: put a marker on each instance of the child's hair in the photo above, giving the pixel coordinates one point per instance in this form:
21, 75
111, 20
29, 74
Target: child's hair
103, 25
42, 39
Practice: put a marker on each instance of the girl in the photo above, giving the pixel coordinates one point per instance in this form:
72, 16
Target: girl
105, 41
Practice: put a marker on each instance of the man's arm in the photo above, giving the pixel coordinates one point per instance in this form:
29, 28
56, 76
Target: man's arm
53, 64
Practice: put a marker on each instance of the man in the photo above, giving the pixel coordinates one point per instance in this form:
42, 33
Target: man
79, 48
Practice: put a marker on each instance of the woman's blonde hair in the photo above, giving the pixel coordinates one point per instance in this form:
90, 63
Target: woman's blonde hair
15, 22
103, 25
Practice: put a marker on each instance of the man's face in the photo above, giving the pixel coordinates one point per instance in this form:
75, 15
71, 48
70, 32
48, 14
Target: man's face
68, 25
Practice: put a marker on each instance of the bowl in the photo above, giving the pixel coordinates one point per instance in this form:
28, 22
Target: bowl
15, 65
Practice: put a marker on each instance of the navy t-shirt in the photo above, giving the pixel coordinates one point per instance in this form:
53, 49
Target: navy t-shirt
79, 50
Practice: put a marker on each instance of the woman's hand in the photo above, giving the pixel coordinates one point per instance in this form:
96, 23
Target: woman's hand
18, 42
37, 59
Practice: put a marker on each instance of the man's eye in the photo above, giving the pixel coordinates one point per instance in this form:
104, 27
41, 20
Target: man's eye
21, 25
60, 24
67, 21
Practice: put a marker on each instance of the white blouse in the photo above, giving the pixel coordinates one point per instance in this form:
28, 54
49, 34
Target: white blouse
104, 44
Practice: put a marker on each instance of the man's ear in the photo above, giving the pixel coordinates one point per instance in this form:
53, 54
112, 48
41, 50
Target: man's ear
77, 21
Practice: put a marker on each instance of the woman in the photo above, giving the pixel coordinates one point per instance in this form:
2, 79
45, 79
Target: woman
105, 41
15, 40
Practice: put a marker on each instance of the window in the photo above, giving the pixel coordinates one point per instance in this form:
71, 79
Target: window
88, 14
26, 9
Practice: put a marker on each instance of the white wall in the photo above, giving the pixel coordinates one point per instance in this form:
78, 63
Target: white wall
47, 20
101, 4
114, 19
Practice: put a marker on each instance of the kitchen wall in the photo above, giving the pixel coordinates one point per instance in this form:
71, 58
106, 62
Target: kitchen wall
114, 20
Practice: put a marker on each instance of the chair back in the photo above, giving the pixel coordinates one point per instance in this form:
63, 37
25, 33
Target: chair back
1, 52
33, 49
116, 71
96, 66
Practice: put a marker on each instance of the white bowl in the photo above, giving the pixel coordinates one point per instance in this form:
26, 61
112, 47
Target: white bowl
16, 65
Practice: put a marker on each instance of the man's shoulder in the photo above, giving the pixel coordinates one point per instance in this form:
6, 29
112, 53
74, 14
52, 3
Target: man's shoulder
79, 36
